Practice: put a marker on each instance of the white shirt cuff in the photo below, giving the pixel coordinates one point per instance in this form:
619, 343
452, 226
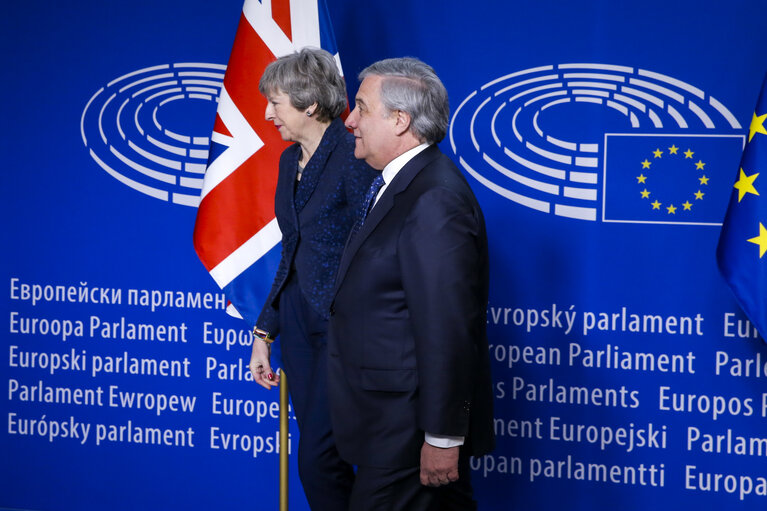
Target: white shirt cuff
443, 441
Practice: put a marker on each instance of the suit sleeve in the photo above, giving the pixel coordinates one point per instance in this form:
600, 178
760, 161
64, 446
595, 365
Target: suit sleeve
441, 261
269, 319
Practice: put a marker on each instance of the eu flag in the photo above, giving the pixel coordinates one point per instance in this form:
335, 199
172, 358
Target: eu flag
668, 179
743, 240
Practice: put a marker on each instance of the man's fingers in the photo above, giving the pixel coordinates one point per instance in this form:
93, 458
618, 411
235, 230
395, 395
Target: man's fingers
429, 478
438, 478
439, 466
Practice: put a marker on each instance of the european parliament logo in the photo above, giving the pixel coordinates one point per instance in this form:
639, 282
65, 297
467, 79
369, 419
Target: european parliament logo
600, 142
147, 129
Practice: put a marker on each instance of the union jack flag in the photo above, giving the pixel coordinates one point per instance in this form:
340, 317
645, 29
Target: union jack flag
236, 227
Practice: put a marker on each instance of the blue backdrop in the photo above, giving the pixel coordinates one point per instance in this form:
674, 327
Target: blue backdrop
602, 140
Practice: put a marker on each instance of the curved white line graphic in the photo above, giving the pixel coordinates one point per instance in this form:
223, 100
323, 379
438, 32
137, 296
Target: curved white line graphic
506, 134
132, 131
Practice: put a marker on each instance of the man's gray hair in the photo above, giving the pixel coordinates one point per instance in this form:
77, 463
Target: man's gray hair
412, 86
307, 77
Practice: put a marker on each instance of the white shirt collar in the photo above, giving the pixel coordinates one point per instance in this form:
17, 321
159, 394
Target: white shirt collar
394, 166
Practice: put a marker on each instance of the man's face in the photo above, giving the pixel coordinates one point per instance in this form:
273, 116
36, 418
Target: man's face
373, 127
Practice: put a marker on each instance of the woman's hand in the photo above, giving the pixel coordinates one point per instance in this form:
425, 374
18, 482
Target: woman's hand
260, 367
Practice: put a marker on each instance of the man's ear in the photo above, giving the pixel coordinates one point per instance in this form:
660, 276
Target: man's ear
402, 122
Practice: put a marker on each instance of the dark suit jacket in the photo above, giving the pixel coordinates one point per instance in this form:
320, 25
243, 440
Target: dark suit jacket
315, 216
407, 344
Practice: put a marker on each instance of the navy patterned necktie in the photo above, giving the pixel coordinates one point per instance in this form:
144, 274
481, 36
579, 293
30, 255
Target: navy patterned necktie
375, 186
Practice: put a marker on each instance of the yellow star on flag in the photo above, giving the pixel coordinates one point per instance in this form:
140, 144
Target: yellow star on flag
737, 261
699, 165
656, 204
745, 184
645, 194
699, 195
761, 240
703, 180
757, 126
671, 210
687, 206
688, 153
657, 153
641, 178
645, 164
673, 149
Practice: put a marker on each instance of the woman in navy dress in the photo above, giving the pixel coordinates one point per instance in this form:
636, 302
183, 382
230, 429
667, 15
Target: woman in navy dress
319, 193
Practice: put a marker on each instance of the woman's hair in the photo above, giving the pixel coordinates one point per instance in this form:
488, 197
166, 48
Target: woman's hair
307, 77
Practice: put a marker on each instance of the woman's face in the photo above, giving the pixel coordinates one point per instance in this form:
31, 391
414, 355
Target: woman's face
288, 120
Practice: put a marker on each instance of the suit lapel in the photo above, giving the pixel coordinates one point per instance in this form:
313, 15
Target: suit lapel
398, 185
286, 185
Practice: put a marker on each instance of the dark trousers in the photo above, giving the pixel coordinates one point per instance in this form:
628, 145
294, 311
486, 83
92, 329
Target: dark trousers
327, 480
377, 489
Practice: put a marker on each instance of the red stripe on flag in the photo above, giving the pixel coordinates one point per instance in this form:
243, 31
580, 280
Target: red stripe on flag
249, 58
220, 127
243, 203
281, 16
236, 209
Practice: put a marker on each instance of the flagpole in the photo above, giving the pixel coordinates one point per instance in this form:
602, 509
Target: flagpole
283, 442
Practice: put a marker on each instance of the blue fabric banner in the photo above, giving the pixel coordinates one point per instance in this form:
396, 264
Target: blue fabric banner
602, 139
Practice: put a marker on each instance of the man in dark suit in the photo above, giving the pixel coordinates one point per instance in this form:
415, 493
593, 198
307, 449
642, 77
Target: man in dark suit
409, 374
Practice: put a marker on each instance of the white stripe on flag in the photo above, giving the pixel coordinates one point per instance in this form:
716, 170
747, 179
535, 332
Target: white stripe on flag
247, 254
244, 144
259, 15
305, 20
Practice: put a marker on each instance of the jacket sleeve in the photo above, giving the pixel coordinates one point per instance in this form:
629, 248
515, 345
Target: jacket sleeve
441, 260
269, 318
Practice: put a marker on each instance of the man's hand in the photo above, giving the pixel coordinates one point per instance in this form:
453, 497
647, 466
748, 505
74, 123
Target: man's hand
438, 466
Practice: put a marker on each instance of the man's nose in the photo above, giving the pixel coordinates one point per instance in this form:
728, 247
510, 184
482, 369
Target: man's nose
351, 120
